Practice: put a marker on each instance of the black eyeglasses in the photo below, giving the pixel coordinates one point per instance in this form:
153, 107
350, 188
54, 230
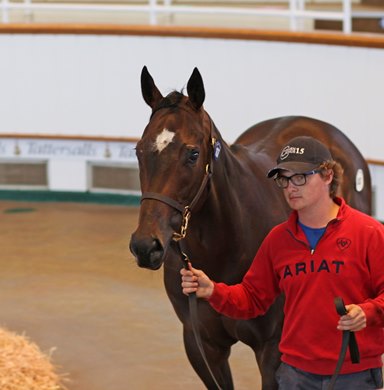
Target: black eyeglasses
298, 179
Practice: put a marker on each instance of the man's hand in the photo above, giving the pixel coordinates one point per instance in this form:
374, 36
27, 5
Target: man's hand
194, 280
354, 320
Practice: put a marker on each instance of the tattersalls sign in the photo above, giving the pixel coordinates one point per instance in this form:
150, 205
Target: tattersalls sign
95, 150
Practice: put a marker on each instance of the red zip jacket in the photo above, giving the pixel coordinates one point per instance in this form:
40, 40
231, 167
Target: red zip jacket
348, 261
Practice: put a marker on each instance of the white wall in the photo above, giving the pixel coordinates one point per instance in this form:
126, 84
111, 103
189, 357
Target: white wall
90, 85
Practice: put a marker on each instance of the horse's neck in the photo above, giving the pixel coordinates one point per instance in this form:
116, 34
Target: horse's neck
223, 208
239, 195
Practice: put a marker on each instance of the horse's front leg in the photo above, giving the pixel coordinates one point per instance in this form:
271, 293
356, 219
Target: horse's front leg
217, 347
268, 359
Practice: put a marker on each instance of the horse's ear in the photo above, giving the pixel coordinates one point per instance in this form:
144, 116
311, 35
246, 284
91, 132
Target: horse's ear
150, 92
195, 89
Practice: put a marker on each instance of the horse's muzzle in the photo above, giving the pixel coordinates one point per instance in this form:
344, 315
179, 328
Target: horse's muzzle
148, 252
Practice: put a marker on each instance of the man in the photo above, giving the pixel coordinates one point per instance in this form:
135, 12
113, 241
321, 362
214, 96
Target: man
326, 249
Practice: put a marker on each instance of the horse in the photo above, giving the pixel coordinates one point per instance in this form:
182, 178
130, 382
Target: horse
217, 200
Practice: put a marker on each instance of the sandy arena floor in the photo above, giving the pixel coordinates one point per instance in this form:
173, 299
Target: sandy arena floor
69, 282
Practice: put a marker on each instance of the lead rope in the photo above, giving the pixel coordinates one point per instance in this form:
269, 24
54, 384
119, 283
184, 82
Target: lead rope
192, 299
192, 302
349, 340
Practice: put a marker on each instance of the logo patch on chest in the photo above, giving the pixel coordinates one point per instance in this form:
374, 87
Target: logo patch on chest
343, 243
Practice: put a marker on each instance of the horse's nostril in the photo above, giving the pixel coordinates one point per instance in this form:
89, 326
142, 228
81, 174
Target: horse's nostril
156, 245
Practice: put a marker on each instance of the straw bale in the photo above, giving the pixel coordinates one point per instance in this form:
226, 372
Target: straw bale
23, 366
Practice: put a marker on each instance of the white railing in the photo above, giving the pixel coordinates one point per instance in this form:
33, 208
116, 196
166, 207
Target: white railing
295, 11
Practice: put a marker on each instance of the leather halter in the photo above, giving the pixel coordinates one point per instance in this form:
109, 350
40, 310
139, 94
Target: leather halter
184, 210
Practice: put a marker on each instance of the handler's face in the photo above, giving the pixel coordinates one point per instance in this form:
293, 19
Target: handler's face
315, 189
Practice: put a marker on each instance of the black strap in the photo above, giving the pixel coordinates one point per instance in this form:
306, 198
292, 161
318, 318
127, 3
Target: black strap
349, 340
352, 343
192, 299
192, 302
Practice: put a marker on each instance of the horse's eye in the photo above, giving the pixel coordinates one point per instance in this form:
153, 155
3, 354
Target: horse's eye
193, 155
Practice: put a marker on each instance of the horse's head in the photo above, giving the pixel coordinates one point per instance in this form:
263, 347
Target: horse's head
174, 157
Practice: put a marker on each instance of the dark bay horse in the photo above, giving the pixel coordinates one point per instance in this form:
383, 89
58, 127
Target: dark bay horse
186, 165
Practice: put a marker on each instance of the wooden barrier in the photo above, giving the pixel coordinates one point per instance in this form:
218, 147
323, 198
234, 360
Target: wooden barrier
321, 38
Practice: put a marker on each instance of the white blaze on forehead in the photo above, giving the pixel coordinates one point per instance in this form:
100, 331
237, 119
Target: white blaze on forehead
163, 140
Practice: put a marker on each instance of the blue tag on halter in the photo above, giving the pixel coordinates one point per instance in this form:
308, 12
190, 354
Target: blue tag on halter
216, 150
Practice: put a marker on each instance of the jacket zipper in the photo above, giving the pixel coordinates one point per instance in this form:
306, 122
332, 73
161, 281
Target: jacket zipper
312, 250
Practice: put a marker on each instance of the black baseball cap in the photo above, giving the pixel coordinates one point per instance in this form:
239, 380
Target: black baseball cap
300, 155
